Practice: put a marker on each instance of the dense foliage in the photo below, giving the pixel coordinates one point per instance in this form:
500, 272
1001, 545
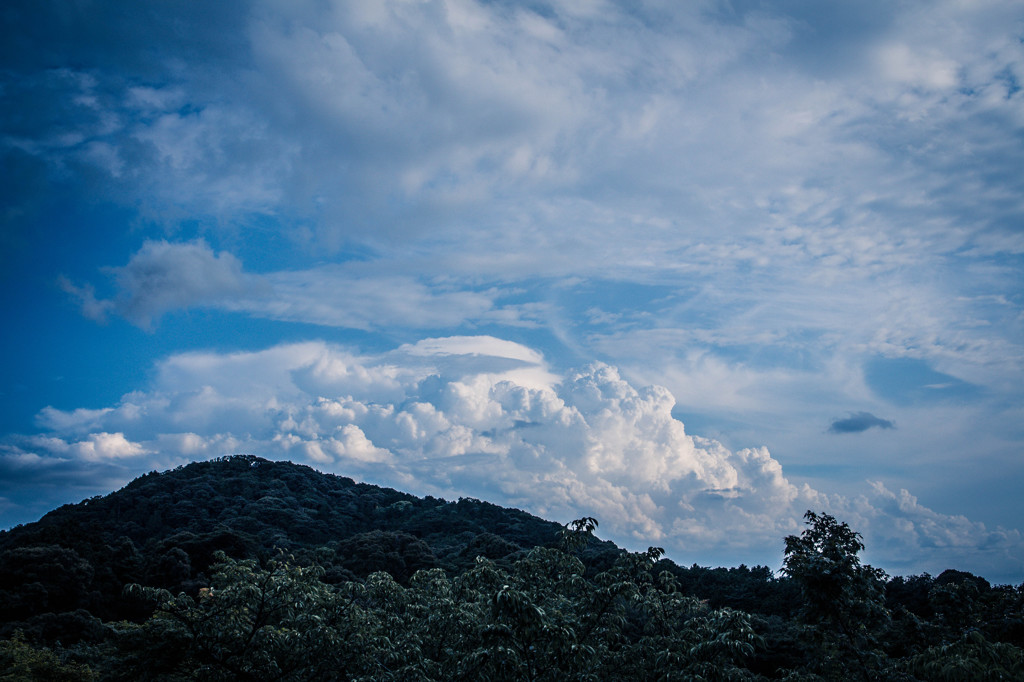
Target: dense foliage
246, 569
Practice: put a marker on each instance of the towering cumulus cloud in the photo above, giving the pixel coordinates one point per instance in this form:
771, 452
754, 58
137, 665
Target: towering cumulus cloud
487, 417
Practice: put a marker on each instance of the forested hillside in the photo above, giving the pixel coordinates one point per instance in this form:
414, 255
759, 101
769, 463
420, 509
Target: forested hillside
247, 569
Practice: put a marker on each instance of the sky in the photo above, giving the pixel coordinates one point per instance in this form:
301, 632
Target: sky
688, 268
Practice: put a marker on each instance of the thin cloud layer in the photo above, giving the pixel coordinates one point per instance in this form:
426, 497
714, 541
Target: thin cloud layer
166, 276
408, 119
448, 416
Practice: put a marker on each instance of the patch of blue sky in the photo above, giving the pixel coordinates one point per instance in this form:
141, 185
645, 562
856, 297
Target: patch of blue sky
1009, 79
612, 303
62, 357
830, 471
268, 242
797, 350
911, 381
714, 425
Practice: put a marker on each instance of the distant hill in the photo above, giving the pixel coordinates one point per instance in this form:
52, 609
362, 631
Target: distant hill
70, 586
163, 529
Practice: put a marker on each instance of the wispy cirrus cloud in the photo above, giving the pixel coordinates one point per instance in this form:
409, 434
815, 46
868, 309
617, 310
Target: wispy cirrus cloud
166, 276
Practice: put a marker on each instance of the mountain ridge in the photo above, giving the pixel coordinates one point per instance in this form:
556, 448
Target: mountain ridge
88, 580
165, 528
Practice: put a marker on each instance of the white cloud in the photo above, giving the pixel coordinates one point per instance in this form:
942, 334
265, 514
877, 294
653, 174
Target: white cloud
474, 345
350, 443
73, 421
103, 446
926, 69
487, 357
588, 444
96, 447
474, 142
449, 122
907, 534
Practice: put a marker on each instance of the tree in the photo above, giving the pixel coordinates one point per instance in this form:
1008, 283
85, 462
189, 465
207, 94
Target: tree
275, 623
538, 619
21, 662
843, 600
971, 658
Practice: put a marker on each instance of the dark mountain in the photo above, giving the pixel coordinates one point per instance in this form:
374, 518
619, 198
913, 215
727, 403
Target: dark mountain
163, 529
70, 587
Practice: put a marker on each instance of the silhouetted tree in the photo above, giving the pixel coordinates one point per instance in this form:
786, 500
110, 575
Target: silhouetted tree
843, 600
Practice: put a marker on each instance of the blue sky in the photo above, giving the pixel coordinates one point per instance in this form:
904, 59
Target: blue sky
690, 268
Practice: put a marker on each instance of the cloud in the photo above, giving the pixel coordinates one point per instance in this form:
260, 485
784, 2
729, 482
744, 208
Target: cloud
914, 538
164, 276
439, 112
858, 422
71, 421
482, 356
457, 143
654, 187
447, 416
94, 447
103, 446
370, 294
93, 308
355, 296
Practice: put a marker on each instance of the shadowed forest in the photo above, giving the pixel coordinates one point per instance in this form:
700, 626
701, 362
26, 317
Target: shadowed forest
247, 569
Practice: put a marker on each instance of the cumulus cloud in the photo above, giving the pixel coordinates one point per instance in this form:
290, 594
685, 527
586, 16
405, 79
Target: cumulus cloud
583, 443
95, 447
896, 521
103, 446
858, 422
